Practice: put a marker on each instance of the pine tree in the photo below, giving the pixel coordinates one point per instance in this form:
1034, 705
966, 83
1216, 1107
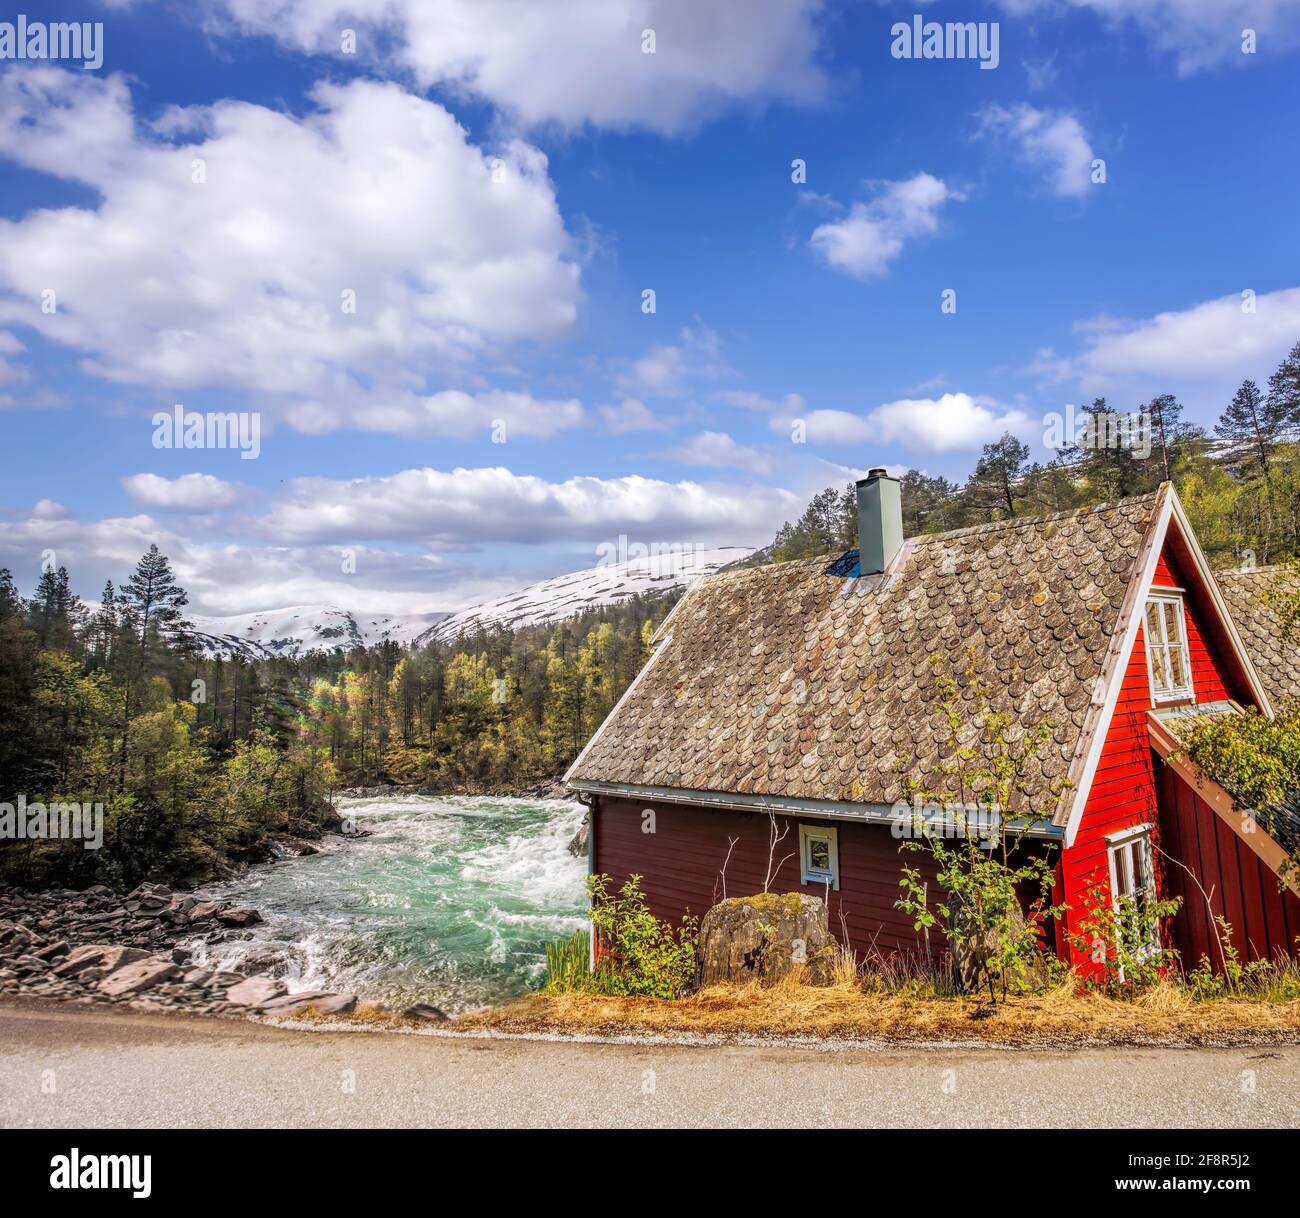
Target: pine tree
11, 603
52, 611
154, 597
1167, 429
1250, 429
105, 625
1282, 405
995, 486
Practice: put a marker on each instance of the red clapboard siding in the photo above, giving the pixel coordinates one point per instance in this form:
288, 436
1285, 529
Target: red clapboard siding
1124, 793
1227, 879
681, 864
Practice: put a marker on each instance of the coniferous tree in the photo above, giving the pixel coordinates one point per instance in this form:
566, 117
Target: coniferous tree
1282, 404
1250, 429
154, 598
996, 484
1168, 431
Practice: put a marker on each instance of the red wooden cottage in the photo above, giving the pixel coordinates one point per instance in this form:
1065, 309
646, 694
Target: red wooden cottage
803, 691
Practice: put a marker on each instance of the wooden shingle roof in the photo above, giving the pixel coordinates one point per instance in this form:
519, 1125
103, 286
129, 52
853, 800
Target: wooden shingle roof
1277, 662
801, 680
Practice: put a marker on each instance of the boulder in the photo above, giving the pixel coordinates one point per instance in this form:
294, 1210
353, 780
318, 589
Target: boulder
138, 977
425, 1012
205, 909
316, 1000
254, 991
265, 960
106, 957
765, 937
239, 917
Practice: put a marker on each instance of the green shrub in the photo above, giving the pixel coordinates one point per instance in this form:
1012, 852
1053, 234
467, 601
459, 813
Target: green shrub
639, 956
568, 963
1122, 941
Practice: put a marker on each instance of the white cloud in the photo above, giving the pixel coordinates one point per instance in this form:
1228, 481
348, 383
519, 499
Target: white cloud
188, 493
1213, 339
825, 426
719, 449
451, 412
1198, 33
744, 399
872, 235
570, 62
464, 507
631, 414
673, 369
1054, 143
239, 281
955, 422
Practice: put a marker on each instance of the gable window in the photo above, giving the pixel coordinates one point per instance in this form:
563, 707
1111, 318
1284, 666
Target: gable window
1167, 658
1133, 889
819, 855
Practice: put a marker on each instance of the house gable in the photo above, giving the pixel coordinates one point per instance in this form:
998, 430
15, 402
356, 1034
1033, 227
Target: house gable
1221, 668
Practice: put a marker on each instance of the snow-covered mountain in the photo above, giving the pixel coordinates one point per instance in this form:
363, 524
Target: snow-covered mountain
567, 595
299, 629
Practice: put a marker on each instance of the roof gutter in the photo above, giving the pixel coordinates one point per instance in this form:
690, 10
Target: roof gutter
824, 809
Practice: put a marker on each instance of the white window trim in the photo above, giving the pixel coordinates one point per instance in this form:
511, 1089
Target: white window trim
1115, 842
1181, 693
809, 875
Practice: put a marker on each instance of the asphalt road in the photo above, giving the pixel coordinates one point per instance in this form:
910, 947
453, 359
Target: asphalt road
68, 1067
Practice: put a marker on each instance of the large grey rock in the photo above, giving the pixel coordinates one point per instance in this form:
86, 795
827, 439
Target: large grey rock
426, 1012
254, 991
765, 937
106, 957
320, 1001
138, 977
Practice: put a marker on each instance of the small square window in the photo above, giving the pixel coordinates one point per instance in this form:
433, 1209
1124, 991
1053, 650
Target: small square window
819, 855
1167, 657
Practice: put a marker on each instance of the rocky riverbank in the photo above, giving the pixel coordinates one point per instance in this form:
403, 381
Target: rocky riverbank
142, 951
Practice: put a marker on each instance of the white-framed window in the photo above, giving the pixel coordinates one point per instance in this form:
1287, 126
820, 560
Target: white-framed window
819, 855
1168, 661
1133, 888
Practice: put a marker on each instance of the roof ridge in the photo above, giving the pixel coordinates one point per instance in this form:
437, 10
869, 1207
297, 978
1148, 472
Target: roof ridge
992, 526
1017, 522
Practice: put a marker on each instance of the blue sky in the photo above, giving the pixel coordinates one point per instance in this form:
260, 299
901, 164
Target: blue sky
499, 183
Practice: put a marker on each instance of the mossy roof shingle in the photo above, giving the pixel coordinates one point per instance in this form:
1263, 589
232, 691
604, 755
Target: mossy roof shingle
800, 680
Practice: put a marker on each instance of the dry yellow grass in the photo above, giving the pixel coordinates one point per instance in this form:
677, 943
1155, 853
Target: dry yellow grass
1060, 1017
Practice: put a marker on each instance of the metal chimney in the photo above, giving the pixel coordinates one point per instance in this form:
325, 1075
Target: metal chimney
880, 521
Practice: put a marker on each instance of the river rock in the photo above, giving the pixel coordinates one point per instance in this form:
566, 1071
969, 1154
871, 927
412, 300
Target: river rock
316, 1000
204, 910
106, 957
426, 1012
254, 991
765, 937
578, 845
138, 977
240, 916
